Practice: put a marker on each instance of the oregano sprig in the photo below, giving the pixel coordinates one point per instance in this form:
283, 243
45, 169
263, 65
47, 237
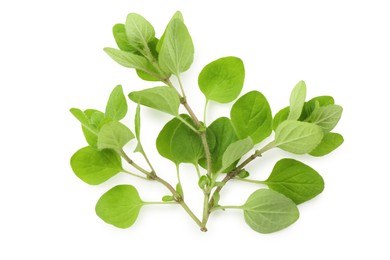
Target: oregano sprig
219, 151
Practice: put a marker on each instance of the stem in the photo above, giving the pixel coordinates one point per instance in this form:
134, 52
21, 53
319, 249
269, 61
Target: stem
187, 124
135, 175
178, 173
251, 181
139, 168
181, 86
205, 111
225, 207
206, 212
192, 215
197, 169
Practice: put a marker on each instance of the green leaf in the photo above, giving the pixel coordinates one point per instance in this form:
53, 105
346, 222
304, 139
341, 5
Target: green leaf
295, 180
225, 135
298, 137
168, 198
235, 151
268, 211
222, 80
137, 123
179, 190
161, 98
297, 100
96, 119
329, 143
114, 135
204, 181
326, 117
83, 119
281, 116
310, 105
177, 15
146, 76
116, 107
243, 174
177, 50
251, 116
138, 30
95, 167
121, 40
178, 143
119, 206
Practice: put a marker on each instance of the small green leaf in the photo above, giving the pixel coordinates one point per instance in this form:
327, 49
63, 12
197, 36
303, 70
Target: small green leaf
251, 116
119, 206
168, 198
96, 119
243, 174
310, 105
146, 76
177, 50
295, 180
326, 117
114, 135
224, 133
329, 143
281, 116
137, 122
204, 181
268, 211
121, 40
222, 80
297, 100
83, 119
95, 167
235, 151
179, 190
298, 137
177, 15
216, 197
116, 108
161, 98
138, 30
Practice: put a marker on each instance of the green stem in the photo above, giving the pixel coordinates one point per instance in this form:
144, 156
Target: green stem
187, 124
132, 163
135, 175
197, 170
225, 207
205, 111
178, 173
206, 212
181, 86
251, 181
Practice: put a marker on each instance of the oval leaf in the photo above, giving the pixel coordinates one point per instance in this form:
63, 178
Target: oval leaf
297, 100
139, 31
121, 40
268, 211
116, 107
177, 50
95, 167
235, 151
119, 206
251, 116
177, 15
222, 80
298, 137
97, 119
295, 180
161, 98
329, 143
326, 117
114, 135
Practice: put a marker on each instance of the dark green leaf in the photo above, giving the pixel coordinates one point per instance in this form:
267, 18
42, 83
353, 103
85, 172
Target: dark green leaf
235, 151
328, 144
268, 211
95, 167
295, 180
222, 80
119, 206
116, 108
251, 116
310, 105
281, 116
297, 100
161, 98
298, 137
114, 135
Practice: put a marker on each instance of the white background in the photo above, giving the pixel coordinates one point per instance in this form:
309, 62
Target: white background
51, 60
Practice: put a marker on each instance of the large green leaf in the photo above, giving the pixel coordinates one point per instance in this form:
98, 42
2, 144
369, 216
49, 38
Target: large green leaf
119, 206
224, 134
116, 107
114, 135
177, 15
222, 80
297, 100
298, 137
295, 180
139, 31
177, 50
251, 116
328, 144
95, 167
161, 98
326, 117
268, 211
178, 143
235, 151
121, 40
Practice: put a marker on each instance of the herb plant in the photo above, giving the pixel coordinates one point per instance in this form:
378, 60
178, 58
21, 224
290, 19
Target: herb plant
217, 150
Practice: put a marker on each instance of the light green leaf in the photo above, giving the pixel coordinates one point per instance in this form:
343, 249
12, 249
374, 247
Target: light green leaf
116, 107
251, 116
297, 100
96, 119
295, 180
114, 135
224, 133
281, 116
310, 105
95, 167
83, 119
121, 40
329, 143
161, 98
235, 151
222, 80
298, 137
326, 117
268, 211
179, 190
119, 206
177, 15
137, 122
138, 30
177, 50
146, 76
168, 198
